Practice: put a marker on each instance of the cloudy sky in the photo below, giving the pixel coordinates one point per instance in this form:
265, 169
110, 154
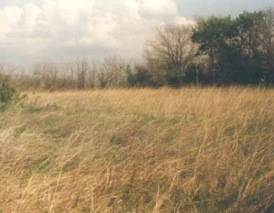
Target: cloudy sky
38, 30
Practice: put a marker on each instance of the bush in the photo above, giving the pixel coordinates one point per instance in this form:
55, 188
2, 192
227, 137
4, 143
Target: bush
174, 76
8, 96
140, 77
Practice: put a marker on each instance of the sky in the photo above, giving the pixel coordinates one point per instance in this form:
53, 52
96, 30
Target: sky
32, 31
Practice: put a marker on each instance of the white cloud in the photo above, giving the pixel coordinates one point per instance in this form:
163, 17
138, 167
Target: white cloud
10, 17
62, 28
183, 20
155, 9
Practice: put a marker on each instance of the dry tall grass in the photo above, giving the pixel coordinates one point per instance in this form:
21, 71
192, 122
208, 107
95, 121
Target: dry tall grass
139, 150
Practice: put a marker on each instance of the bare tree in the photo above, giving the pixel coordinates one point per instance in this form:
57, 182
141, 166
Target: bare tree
47, 75
82, 69
7, 71
69, 75
171, 47
91, 75
113, 71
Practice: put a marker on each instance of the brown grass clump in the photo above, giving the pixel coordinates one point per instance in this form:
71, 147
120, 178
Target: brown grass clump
139, 150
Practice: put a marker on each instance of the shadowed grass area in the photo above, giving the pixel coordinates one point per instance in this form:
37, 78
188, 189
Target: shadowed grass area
139, 150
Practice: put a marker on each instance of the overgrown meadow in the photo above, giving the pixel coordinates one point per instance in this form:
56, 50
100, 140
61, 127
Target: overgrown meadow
139, 150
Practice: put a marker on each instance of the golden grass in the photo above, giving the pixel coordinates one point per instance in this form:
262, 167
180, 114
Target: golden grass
139, 150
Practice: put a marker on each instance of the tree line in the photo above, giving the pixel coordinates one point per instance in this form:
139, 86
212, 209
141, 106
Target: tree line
213, 51
216, 51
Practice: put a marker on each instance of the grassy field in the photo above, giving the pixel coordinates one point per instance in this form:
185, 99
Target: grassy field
139, 150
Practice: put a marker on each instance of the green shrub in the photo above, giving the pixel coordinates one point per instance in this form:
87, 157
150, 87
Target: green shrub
174, 76
8, 96
140, 77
